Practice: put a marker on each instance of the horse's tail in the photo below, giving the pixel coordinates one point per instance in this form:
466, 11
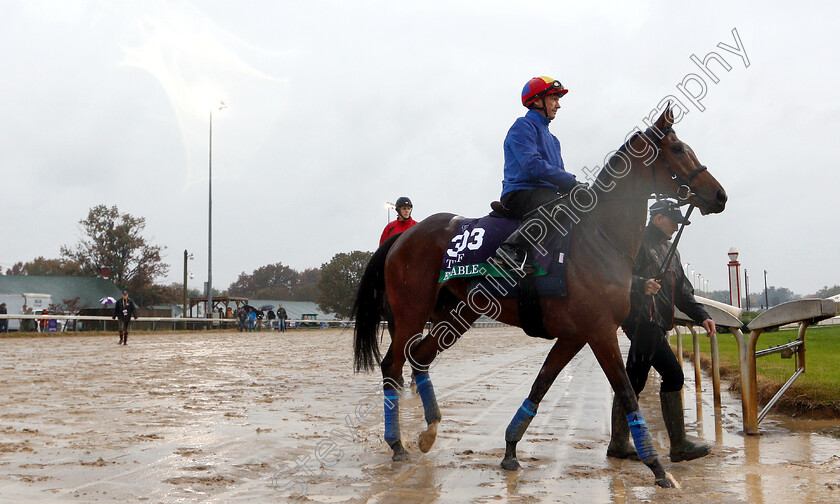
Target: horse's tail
367, 309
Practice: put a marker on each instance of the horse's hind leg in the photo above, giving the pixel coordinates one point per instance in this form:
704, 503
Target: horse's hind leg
450, 322
409, 321
561, 353
609, 357
392, 391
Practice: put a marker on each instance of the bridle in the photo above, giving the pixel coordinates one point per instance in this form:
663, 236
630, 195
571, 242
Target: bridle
684, 189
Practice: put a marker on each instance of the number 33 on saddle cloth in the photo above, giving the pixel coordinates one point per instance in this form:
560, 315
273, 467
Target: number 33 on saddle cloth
476, 240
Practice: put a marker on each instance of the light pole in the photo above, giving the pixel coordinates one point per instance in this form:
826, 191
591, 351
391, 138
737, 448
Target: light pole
186, 257
209, 309
389, 206
692, 279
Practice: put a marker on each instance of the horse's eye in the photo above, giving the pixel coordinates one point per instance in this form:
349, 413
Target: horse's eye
677, 149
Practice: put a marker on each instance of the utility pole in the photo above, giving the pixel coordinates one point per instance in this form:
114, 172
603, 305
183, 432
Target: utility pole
766, 302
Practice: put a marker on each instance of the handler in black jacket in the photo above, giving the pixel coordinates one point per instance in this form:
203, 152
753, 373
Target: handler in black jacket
124, 310
651, 317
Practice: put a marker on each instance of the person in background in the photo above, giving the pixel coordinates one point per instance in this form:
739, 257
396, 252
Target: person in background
43, 323
252, 319
281, 318
402, 222
4, 323
242, 315
124, 309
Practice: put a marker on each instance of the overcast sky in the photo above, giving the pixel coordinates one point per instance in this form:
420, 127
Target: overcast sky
335, 107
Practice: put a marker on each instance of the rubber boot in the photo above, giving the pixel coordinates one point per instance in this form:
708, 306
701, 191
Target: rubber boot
682, 448
125, 338
121, 339
620, 445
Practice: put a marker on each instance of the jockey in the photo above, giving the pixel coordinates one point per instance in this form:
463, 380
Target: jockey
403, 220
534, 175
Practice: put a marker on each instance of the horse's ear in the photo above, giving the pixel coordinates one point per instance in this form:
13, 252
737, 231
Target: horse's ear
666, 119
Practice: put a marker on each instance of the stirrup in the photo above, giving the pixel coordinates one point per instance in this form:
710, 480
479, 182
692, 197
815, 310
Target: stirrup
522, 269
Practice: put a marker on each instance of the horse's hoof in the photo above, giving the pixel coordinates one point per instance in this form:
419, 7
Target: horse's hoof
511, 464
427, 437
668, 481
400, 454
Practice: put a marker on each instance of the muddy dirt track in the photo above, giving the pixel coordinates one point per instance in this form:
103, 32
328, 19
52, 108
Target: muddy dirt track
264, 417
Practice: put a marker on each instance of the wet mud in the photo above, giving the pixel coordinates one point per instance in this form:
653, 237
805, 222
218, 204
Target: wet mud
264, 417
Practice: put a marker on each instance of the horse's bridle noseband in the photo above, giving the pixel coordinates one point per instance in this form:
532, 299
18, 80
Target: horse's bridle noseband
684, 191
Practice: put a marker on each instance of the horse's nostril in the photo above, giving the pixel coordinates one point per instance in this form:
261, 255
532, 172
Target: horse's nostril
720, 196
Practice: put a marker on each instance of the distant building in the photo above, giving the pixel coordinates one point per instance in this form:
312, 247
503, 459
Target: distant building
296, 309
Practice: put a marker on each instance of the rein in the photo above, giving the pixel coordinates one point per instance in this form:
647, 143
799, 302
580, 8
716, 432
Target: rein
673, 249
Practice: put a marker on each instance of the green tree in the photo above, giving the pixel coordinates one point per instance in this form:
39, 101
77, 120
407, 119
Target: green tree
827, 292
273, 281
116, 240
41, 266
718, 295
307, 287
340, 280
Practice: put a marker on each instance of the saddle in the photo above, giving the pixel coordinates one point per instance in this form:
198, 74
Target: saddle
500, 210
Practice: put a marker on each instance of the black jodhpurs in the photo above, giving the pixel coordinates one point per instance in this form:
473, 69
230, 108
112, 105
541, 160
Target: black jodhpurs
649, 348
521, 202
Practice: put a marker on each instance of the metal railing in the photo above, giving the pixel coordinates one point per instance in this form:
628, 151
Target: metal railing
177, 321
803, 312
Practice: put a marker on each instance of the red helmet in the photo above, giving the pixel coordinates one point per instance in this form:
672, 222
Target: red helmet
538, 87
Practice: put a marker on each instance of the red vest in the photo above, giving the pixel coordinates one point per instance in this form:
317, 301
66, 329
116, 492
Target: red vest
397, 226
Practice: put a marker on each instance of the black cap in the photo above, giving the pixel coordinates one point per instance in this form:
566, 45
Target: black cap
668, 208
403, 201
125, 292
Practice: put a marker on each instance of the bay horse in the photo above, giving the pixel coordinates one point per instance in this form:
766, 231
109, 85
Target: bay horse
603, 247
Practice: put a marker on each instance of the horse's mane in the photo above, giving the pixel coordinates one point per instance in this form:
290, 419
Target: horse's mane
619, 156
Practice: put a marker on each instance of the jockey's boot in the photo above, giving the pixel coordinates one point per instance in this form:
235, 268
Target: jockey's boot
511, 255
121, 338
620, 446
125, 338
682, 448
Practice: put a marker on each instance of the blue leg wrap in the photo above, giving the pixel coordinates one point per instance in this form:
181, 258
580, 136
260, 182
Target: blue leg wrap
427, 394
392, 416
521, 420
641, 437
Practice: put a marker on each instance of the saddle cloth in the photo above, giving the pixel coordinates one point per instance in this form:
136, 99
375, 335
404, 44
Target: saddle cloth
476, 240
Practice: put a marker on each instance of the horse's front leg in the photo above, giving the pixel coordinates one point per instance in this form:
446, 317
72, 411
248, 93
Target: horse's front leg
561, 353
609, 357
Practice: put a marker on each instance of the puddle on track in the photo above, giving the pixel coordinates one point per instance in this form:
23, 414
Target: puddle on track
262, 417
